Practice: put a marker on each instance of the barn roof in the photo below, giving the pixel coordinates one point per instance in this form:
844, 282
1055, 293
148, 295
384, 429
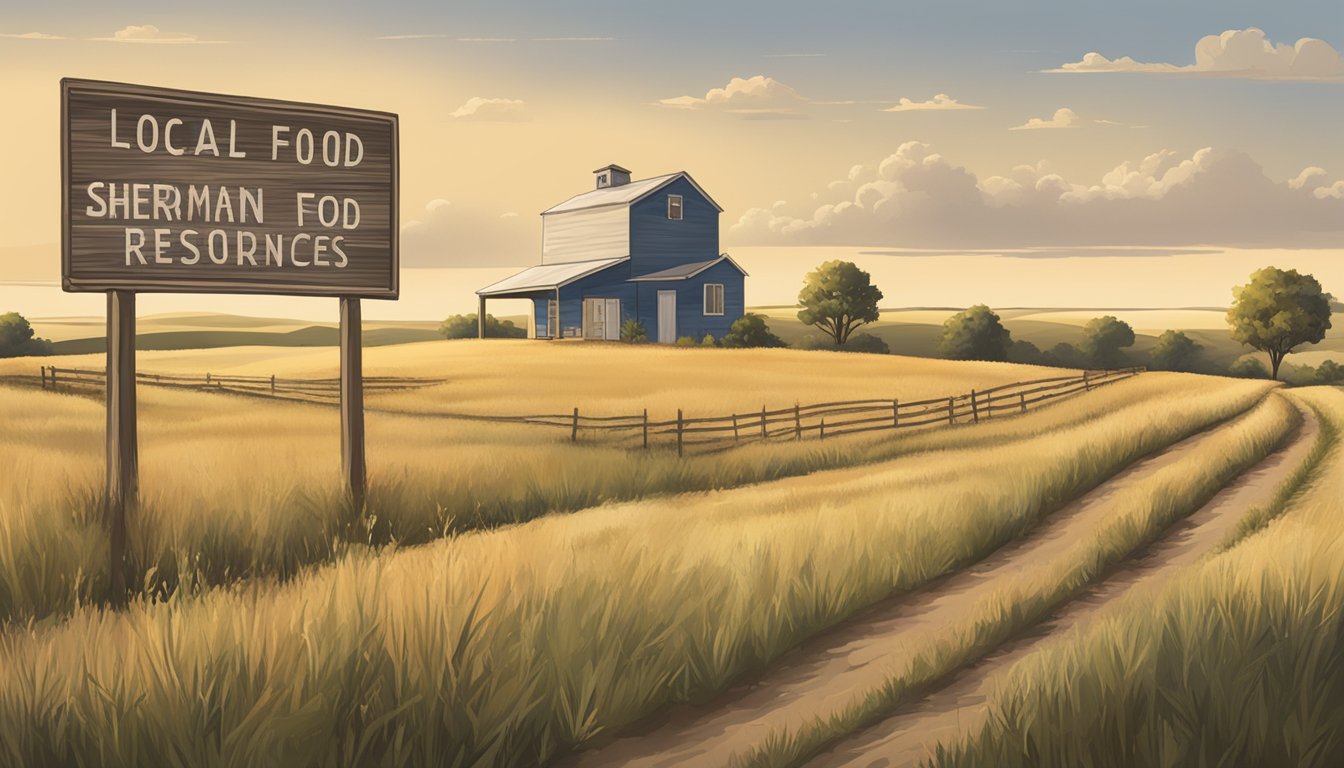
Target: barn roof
686, 271
548, 276
625, 194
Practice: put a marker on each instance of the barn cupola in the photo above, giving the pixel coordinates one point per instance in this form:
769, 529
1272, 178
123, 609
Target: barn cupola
611, 176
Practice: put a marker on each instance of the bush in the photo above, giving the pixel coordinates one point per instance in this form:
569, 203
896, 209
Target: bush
464, 327
1026, 353
859, 342
975, 334
1248, 368
17, 339
634, 332
1174, 351
1330, 372
751, 330
1065, 355
1103, 338
709, 341
687, 341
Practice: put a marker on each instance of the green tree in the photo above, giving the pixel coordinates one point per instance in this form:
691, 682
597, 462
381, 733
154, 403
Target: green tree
1277, 311
464, 327
837, 298
1025, 352
1248, 368
751, 330
975, 334
1329, 372
1174, 351
17, 339
1103, 338
1064, 355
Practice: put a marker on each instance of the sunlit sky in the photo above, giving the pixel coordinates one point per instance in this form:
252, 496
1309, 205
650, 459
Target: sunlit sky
811, 124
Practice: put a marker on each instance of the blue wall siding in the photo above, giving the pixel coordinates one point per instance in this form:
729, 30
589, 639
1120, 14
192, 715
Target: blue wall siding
608, 284
691, 317
657, 242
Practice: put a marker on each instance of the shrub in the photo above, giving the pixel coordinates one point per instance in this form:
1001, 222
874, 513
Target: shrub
634, 332
708, 341
17, 339
1065, 355
1026, 353
687, 341
464, 327
1174, 351
975, 334
1330, 372
751, 330
1248, 368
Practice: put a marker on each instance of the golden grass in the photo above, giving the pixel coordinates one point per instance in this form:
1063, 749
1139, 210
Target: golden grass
503, 647
1237, 662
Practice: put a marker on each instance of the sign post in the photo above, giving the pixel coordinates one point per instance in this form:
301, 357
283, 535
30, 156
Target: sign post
178, 191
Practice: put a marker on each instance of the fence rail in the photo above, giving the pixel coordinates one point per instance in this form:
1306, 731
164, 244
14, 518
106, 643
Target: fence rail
320, 389
831, 419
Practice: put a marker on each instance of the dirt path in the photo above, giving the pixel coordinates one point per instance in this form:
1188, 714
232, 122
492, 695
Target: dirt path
826, 673
910, 736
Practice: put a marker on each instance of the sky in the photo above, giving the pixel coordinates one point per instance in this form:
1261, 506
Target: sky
949, 125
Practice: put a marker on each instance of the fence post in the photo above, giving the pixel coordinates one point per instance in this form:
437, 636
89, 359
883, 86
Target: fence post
679, 432
797, 422
646, 428
975, 410
823, 427
53, 378
44, 377
951, 413
1023, 397
764, 435
574, 432
895, 413
272, 383
207, 379
1087, 385
736, 438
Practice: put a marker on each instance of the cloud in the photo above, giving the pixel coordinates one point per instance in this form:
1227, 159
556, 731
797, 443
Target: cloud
758, 97
148, 33
446, 235
492, 110
1243, 53
1063, 118
939, 102
32, 36
918, 198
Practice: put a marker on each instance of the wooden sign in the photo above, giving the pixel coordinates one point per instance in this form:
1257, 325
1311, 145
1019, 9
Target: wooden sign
167, 190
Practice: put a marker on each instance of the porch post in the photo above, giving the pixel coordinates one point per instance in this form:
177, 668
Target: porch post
480, 317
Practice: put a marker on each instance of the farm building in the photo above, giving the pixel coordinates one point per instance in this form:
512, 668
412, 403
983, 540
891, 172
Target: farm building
644, 250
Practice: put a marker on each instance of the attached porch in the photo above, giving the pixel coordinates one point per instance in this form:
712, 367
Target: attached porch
588, 299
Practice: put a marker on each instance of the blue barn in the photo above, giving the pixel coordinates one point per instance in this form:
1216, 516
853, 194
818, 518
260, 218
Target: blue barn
644, 250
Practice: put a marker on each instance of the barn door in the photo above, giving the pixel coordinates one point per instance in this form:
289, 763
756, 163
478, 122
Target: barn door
613, 315
595, 319
667, 317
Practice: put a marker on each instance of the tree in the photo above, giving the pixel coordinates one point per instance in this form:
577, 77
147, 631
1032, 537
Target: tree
1064, 355
837, 298
1248, 368
1025, 352
1277, 311
464, 327
1174, 351
975, 334
751, 330
1330, 372
17, 339
1103, 338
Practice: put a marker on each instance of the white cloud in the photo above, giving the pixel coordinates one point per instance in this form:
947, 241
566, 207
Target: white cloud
32, 36
1306, 177
1244, 53
918, 198
1063, 118
940, 101
148, 33
757, 97
446, 235
492, 110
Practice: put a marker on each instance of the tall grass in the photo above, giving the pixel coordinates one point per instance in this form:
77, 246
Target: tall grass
1238, 662
506, 647
234, 489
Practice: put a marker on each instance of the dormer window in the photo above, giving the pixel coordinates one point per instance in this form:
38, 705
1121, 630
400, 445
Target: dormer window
674, 207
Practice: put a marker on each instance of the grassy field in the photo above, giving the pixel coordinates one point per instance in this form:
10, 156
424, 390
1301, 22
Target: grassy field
499, 647
1236, 663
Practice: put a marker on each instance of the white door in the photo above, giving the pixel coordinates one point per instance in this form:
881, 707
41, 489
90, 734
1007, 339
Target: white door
594, 318
613, 319
667, 317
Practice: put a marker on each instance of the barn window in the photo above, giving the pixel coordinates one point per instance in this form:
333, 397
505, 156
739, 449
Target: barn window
674, 207
713, 298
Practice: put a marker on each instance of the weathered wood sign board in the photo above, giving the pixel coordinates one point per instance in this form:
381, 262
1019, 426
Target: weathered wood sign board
167, 190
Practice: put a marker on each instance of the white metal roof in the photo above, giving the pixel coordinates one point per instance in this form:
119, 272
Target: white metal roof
624, 194
686, 271
548, 276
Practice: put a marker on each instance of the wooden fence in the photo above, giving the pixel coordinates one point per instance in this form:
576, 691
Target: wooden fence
311, 390
823, 420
